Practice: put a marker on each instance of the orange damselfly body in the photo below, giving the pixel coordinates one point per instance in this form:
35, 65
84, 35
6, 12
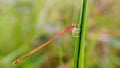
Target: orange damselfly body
67, 29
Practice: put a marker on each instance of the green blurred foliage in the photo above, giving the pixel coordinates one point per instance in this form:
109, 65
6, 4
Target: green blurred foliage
25, 24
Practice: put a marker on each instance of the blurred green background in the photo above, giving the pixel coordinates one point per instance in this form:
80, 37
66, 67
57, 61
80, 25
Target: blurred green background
25, 24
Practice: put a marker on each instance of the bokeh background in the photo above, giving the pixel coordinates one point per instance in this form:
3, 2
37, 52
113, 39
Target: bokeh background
25, 24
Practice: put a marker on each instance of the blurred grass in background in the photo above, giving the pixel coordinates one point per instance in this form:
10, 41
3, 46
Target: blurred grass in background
25, 24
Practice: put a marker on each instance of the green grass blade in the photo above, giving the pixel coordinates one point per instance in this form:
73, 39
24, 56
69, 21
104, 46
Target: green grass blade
79, 45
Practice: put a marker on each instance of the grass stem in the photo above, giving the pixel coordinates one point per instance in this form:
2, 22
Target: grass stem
79, 44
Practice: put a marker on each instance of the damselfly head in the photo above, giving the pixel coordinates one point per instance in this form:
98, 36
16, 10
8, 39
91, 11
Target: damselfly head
75, 25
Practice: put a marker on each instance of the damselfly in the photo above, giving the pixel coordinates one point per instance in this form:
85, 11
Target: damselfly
67, 29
